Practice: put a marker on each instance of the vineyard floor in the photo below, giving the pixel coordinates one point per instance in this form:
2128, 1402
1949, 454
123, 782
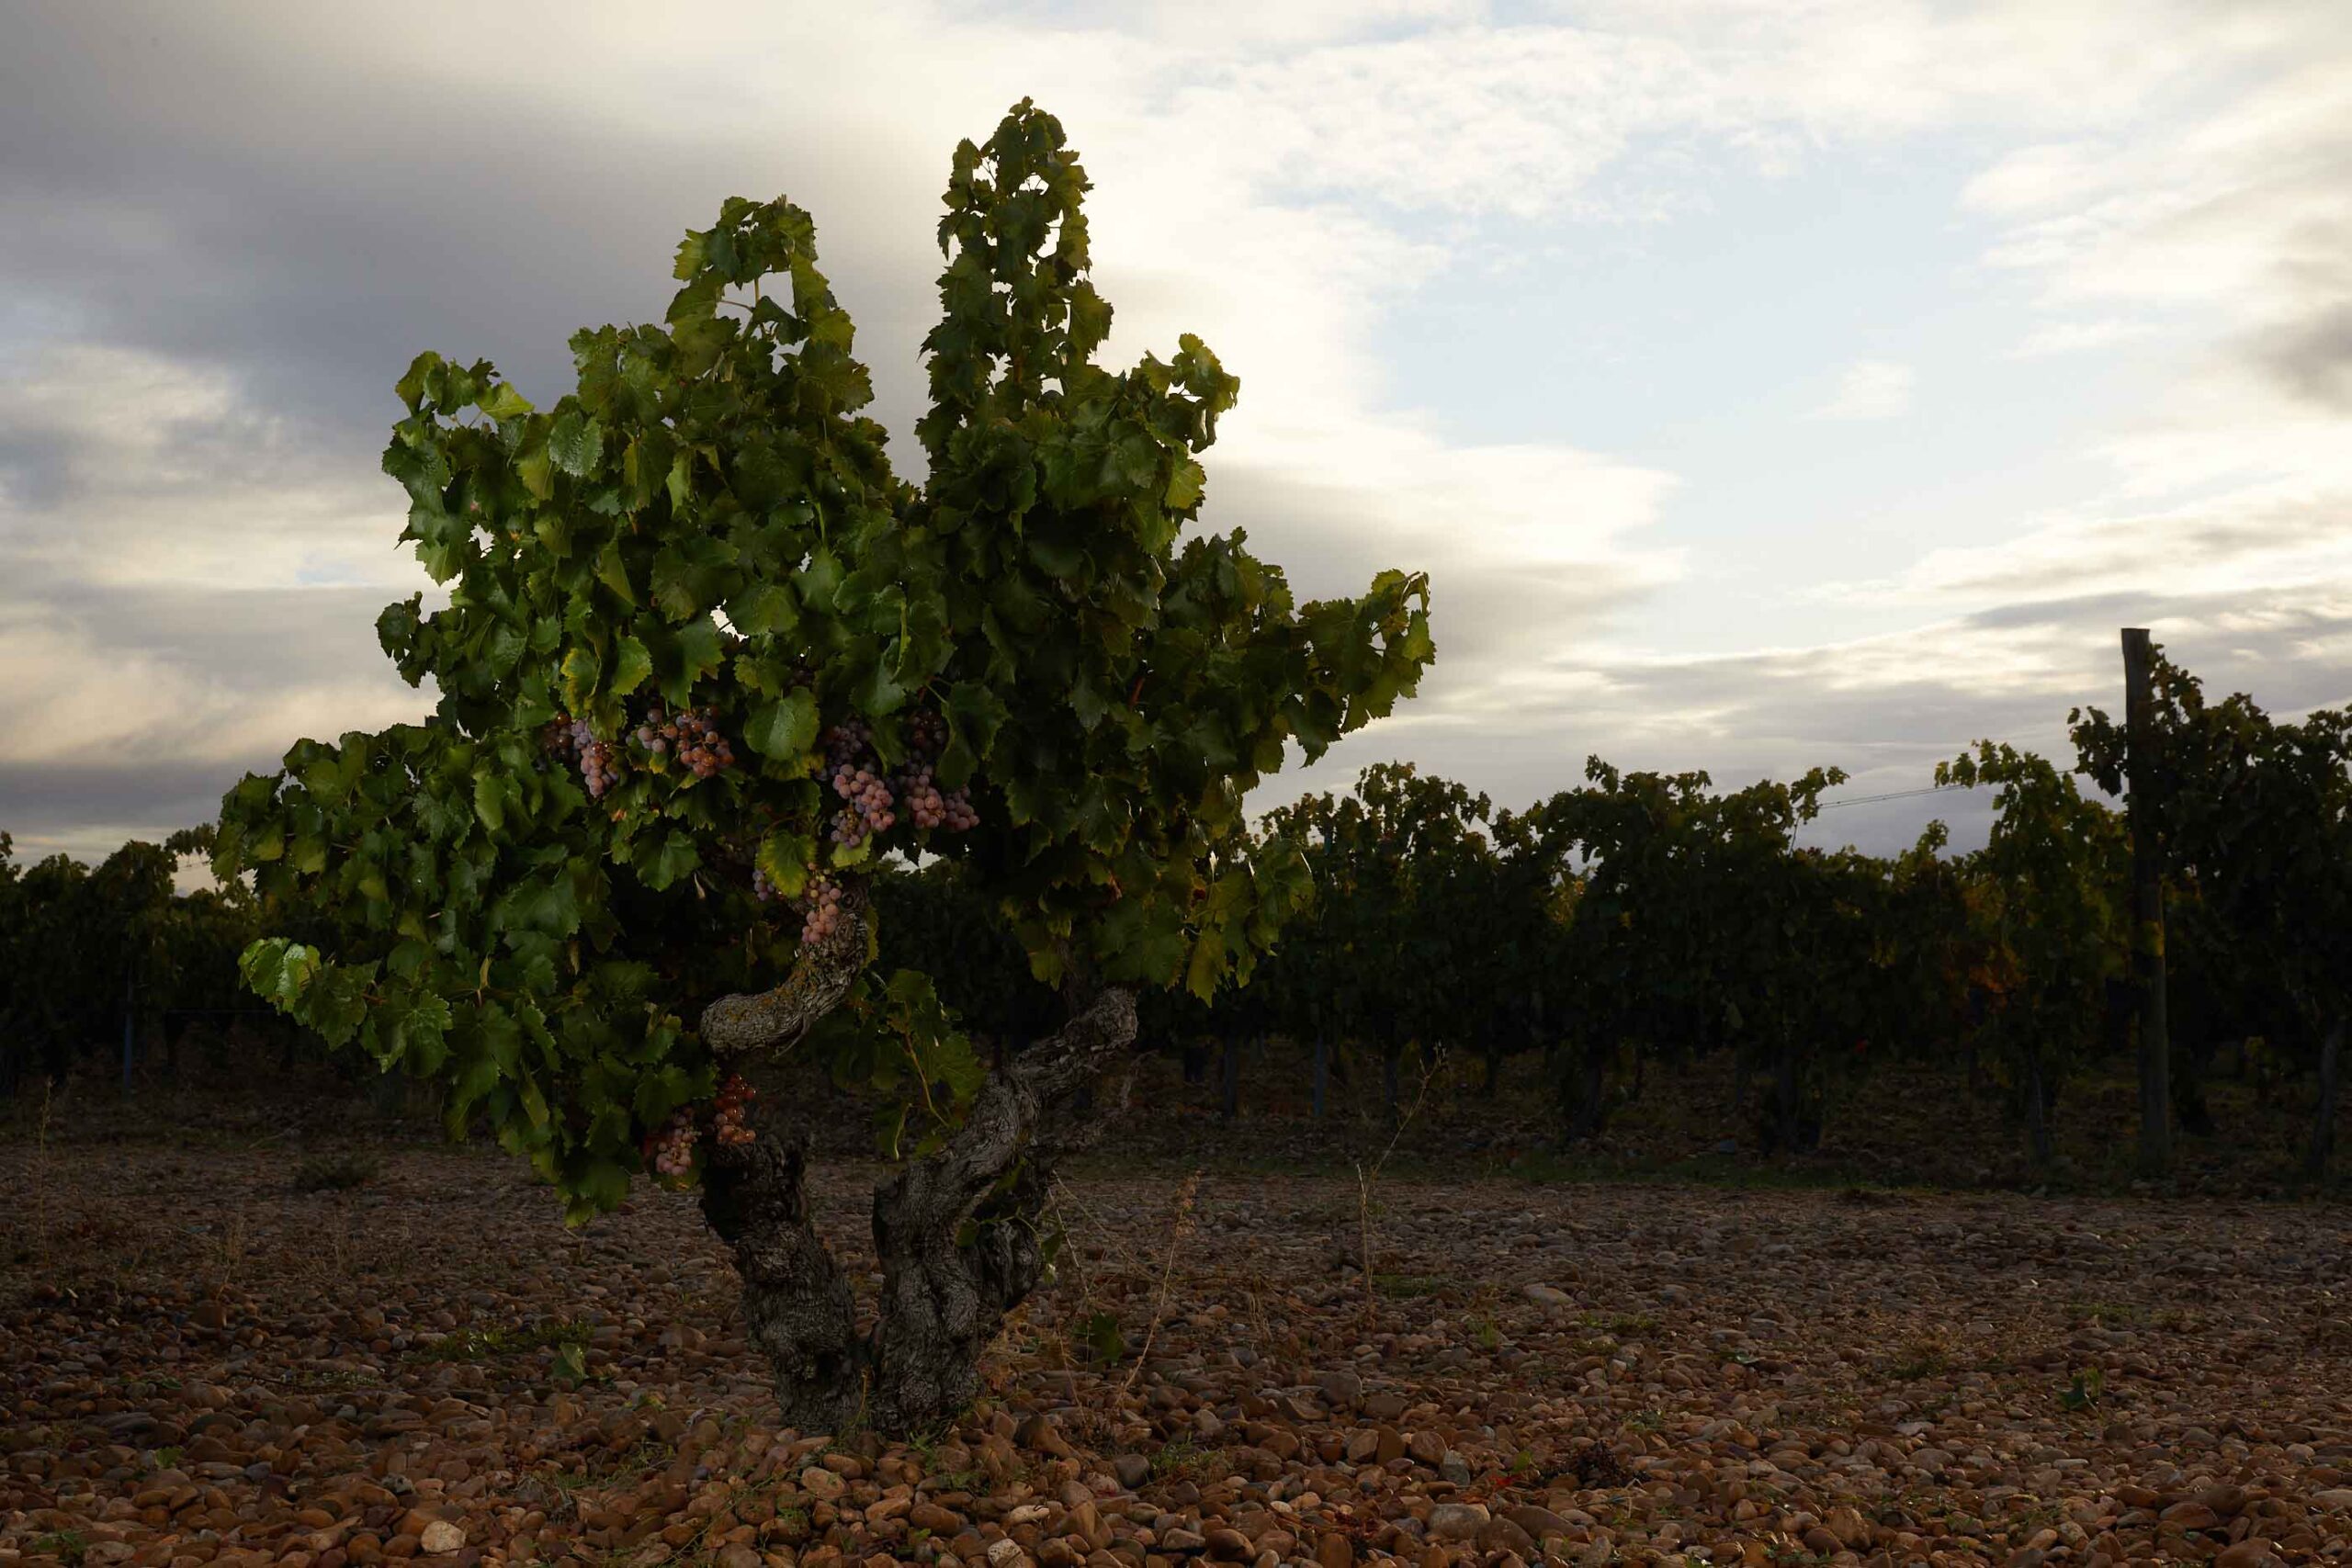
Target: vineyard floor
201, 1363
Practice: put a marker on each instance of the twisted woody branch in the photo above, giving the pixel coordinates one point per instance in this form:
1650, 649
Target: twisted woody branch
960, 1234
823, 974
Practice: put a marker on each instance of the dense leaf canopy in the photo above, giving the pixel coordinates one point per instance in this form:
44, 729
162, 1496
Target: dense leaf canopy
708, 529
2044, 910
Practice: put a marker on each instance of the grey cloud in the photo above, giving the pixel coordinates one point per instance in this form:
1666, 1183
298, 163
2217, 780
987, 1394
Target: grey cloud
2082, 609
184, 185
1483, 611
35, 471
250, 639
59, 803
314, 237
281, 652
2135, 547
2312, 359
1806, 693
1885, 712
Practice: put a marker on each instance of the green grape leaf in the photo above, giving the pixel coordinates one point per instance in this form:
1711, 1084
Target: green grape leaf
631, 665
785, 728
576, 444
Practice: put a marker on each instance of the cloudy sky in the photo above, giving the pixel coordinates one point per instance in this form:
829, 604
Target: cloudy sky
1762, 384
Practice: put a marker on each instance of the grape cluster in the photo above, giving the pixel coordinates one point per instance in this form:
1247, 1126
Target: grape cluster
695, 734
856, 775
930, 806
873, 800
571, 741
731, 1119
600, 767
925, 803
673, 1145
600, 761
927, 732
846, 743
818, 904
820, 910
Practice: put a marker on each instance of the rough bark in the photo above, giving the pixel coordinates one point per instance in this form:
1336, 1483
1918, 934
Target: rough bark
959, 1231
797, 1307
821, 978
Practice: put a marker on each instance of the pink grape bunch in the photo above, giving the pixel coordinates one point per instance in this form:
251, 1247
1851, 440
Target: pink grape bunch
820, 910
874, 801
930, 806
672, 1146
926, 803
856, 776
730, 1116
693, 733
600, 765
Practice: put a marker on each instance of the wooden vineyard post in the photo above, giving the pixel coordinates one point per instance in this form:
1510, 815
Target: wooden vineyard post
2147, 906
2331, 1057
129, 997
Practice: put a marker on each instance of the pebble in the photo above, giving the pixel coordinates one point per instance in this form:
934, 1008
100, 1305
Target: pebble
1458, 1521
1748, 1375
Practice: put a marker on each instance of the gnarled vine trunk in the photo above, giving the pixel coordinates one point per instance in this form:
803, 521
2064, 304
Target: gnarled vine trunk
946, 1288
797, 1307
959, 1232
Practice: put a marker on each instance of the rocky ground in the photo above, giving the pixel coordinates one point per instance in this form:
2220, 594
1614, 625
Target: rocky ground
201, 1363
